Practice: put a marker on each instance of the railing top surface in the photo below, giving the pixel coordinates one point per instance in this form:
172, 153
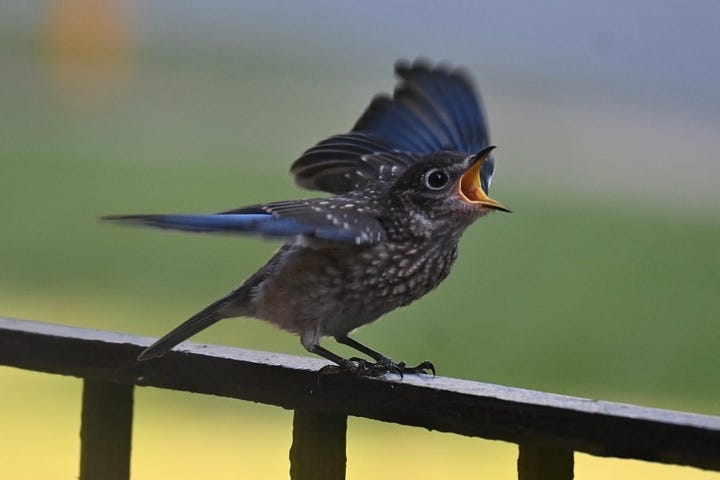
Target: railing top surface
441, 403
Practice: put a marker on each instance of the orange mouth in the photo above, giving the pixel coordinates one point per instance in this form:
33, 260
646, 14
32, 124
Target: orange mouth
471, 191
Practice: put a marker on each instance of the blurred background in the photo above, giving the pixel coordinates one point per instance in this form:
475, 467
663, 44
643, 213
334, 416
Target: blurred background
603, 284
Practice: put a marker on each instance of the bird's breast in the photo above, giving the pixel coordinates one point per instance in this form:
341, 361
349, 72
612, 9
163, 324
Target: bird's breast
401, 273
338, 290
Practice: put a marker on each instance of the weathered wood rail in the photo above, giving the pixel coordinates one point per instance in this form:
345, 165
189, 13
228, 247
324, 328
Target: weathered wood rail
547, 427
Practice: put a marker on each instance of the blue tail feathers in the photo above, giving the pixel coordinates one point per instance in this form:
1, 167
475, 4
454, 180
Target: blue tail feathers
259, 222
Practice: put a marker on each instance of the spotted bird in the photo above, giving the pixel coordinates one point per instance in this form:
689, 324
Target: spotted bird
406, 181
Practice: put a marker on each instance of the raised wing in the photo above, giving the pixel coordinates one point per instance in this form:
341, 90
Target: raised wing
331, 220
344, 163
432, 109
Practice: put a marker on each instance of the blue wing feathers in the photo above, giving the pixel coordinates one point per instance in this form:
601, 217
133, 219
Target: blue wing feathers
282, 219
433, 108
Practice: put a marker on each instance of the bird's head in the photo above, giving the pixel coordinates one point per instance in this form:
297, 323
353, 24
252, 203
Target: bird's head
448, 189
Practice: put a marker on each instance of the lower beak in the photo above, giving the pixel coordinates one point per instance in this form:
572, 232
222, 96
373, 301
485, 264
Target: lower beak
471, 188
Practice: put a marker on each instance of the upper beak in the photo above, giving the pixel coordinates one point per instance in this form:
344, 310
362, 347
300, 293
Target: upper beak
470, 186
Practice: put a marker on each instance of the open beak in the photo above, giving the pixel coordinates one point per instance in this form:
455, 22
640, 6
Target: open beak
470, 187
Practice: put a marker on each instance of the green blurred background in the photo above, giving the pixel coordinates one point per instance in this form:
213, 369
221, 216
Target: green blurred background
603, 284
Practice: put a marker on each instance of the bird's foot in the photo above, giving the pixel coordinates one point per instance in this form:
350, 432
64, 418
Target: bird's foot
365, 368
356, 366
425, 367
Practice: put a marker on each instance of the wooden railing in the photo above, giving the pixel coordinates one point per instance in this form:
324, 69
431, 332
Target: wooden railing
547, 427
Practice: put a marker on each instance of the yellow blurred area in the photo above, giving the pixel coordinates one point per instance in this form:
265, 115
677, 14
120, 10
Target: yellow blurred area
185, 436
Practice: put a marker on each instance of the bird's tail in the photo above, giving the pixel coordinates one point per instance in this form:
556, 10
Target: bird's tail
200, 321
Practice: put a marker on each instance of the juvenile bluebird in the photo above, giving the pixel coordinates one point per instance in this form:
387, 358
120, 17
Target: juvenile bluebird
406, 181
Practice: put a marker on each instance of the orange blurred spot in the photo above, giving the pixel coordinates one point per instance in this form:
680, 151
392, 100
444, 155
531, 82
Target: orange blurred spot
89, 48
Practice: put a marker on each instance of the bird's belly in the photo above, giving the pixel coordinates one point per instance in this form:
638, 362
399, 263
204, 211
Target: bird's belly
333, 292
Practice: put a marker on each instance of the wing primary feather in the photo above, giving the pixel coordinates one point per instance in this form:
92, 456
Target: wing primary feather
433, 108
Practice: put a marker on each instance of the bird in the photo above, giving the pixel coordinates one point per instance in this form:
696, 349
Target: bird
404, 184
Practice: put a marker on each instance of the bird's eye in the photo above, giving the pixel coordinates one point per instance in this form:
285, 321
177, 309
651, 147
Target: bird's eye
436, 179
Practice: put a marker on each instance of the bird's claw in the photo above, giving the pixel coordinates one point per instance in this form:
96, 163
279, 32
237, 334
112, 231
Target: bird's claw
365, 368
423, 367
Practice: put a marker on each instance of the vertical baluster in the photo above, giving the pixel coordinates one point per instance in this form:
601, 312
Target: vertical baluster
544, 463
318, 448
106, 430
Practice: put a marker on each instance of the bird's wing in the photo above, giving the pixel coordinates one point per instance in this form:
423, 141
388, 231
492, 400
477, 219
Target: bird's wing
432, 109
344, 163
329, 220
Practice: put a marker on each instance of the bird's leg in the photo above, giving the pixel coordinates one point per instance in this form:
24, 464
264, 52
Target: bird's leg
362, 367
350, 342
325, 353
384, 364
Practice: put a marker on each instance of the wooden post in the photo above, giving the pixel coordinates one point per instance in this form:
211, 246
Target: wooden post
106, 430
544, 463
318, 448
